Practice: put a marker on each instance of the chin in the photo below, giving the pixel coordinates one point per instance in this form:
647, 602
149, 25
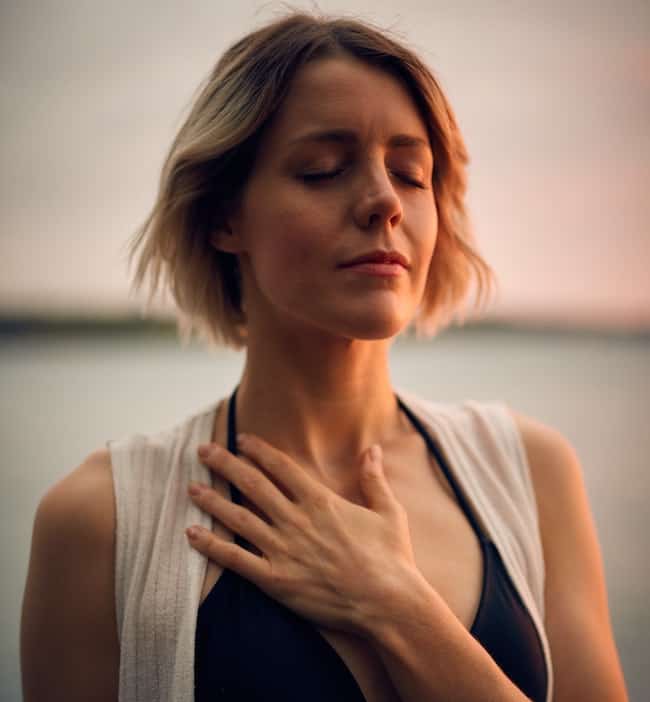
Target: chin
376, 328
371, 323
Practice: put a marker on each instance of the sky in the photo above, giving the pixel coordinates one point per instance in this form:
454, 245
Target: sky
553, 100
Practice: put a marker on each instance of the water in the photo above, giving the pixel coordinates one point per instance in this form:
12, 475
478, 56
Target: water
64, 395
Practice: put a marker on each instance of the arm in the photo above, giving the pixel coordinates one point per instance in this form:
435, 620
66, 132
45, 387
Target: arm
430, 656
68, 643
577, 621
428, 653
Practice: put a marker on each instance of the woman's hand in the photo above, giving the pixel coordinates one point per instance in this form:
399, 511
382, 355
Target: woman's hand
328, 559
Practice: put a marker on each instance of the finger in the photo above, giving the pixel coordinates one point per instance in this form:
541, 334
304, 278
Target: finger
279, 466
237, 518
230, 555
377, 490
250, 480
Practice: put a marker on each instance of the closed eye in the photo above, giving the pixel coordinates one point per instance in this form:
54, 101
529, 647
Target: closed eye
315, 177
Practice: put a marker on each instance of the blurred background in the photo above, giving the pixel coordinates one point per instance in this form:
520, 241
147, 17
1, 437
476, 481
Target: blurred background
553, 99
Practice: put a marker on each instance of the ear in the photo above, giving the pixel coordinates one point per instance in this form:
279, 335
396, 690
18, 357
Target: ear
225, 236
224, 239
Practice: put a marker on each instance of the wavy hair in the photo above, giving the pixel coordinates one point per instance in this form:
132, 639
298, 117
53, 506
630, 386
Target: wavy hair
212, 155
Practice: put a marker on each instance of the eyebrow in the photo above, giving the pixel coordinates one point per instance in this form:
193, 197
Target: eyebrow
347, 136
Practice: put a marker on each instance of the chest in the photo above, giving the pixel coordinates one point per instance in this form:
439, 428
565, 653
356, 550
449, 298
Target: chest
446, 549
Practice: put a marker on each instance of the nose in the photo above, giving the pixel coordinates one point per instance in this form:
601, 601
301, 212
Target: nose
376, 202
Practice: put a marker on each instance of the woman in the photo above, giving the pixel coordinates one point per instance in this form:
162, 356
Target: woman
357, 544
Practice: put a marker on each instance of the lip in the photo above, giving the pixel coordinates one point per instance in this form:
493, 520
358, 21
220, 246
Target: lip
384, 270
386, 258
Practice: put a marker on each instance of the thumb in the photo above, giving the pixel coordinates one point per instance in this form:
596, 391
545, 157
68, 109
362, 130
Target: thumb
376, 489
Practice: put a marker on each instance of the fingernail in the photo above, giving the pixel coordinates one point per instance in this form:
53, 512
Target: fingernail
204, 450
375, 453
194, 489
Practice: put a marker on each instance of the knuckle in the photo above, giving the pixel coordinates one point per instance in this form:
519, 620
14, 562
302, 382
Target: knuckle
242, 518
250, 483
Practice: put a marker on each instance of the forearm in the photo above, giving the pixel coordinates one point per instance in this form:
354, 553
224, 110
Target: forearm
428, 653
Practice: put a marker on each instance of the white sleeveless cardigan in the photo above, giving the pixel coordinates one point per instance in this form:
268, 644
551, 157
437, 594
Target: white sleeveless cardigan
159, 577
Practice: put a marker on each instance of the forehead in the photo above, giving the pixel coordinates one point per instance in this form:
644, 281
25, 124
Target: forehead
345, 93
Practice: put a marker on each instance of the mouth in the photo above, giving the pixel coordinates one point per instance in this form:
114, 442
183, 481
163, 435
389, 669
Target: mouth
385, 270
379, 257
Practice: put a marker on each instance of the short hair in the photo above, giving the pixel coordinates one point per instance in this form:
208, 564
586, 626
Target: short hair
212, 155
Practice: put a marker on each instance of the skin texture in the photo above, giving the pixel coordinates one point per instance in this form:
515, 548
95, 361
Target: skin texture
316, 390
320, 335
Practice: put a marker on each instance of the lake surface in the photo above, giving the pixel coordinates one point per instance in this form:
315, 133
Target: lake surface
64, 394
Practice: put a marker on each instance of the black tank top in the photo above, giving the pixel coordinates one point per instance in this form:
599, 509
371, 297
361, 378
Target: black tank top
251, 648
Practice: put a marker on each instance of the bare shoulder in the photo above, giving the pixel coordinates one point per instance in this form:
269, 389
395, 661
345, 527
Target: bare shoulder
553, 461
577, 620
69, 644
83, 498
560, 493
78, 512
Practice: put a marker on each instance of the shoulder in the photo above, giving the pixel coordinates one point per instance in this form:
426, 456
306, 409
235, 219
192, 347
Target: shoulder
553, 461
80, 507
557, 477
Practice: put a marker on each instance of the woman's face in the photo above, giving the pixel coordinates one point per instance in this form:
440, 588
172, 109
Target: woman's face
295, 228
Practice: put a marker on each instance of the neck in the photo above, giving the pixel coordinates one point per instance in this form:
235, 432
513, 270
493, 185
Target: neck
321, 402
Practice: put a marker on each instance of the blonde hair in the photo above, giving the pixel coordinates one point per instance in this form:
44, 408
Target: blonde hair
207, 166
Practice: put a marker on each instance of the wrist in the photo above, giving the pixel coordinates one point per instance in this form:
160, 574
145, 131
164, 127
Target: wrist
405, 593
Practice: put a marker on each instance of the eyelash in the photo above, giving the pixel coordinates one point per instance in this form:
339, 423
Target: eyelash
315, 177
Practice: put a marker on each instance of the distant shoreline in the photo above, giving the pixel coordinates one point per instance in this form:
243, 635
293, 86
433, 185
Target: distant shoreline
77, 326
82, 326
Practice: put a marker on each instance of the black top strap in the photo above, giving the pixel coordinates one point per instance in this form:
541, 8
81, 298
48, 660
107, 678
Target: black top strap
442, 462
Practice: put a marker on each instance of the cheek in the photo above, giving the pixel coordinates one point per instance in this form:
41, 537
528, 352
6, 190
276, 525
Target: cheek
428, 225
291, 245
425, 243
